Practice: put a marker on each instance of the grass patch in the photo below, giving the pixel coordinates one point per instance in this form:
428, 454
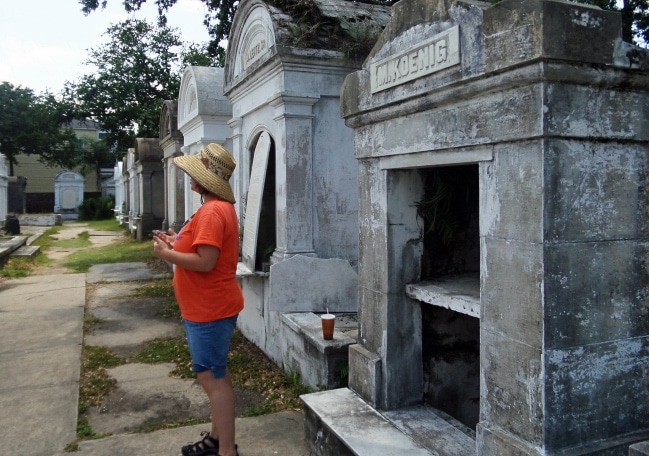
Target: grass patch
95, 382
71, 447
94, 358
89, 322
170, 309
84, 431
259, 410
168, 350
252, 370
48, 238
16, 267
173, 425
94, 385
126, 251
22, 267
104, 225
82, 240
156, 289
162, 288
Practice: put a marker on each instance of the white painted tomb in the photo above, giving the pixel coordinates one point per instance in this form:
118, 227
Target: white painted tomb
296, 182
203, 116
68, 194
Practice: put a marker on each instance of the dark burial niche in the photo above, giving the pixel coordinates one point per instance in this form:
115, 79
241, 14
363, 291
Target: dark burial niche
451, 357
449, 209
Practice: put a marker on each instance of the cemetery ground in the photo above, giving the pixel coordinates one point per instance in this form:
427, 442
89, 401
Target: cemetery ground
135, 367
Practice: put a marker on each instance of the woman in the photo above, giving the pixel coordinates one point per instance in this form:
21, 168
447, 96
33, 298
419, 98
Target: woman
205, 253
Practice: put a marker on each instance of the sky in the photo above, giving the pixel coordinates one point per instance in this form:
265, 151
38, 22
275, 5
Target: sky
43, 43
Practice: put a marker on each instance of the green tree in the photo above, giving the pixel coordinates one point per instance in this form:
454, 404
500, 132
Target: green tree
94, 155
136, 71
31, 124
218, 19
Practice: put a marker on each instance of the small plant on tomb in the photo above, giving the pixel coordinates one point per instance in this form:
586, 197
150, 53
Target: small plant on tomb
360, 34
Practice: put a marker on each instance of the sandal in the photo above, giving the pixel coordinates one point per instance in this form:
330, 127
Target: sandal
206, 446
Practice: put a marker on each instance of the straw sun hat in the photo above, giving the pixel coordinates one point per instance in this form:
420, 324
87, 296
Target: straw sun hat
211, 168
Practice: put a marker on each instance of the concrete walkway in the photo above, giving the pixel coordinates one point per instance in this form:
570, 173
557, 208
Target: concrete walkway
40, 350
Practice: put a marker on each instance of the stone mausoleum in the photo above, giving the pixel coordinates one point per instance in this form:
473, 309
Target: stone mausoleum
203, 115
503, 159
296, 181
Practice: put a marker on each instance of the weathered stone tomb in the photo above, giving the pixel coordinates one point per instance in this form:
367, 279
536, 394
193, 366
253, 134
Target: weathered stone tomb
143, 187
503, 157
150, 181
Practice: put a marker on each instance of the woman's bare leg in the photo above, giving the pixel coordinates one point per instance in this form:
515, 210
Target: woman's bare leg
221, 395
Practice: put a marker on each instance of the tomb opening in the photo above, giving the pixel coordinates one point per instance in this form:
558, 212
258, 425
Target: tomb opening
450, 271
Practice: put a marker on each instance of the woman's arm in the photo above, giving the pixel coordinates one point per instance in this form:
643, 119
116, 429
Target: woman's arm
203, 260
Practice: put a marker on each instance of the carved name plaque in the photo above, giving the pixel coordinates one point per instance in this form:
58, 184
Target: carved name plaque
435, 54
255, 49
253, 204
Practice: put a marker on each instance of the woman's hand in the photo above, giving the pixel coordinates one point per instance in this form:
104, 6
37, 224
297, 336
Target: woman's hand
161, 246
168, 239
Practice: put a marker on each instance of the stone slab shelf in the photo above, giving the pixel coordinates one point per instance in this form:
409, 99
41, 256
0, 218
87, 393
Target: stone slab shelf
460, 293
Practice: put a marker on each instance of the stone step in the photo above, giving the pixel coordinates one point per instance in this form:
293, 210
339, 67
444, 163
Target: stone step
339, 422
10, 244
26, 251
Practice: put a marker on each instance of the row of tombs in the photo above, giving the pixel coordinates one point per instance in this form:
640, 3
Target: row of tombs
466, 189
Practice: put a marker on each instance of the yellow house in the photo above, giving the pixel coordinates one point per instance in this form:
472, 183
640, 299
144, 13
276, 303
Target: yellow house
40, 177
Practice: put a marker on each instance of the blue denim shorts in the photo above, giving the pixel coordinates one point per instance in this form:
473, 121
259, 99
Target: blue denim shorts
209, 344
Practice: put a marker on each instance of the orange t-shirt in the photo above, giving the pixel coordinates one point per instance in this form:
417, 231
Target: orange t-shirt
216, 294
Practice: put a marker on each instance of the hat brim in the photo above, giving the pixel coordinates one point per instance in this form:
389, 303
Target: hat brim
195, 168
